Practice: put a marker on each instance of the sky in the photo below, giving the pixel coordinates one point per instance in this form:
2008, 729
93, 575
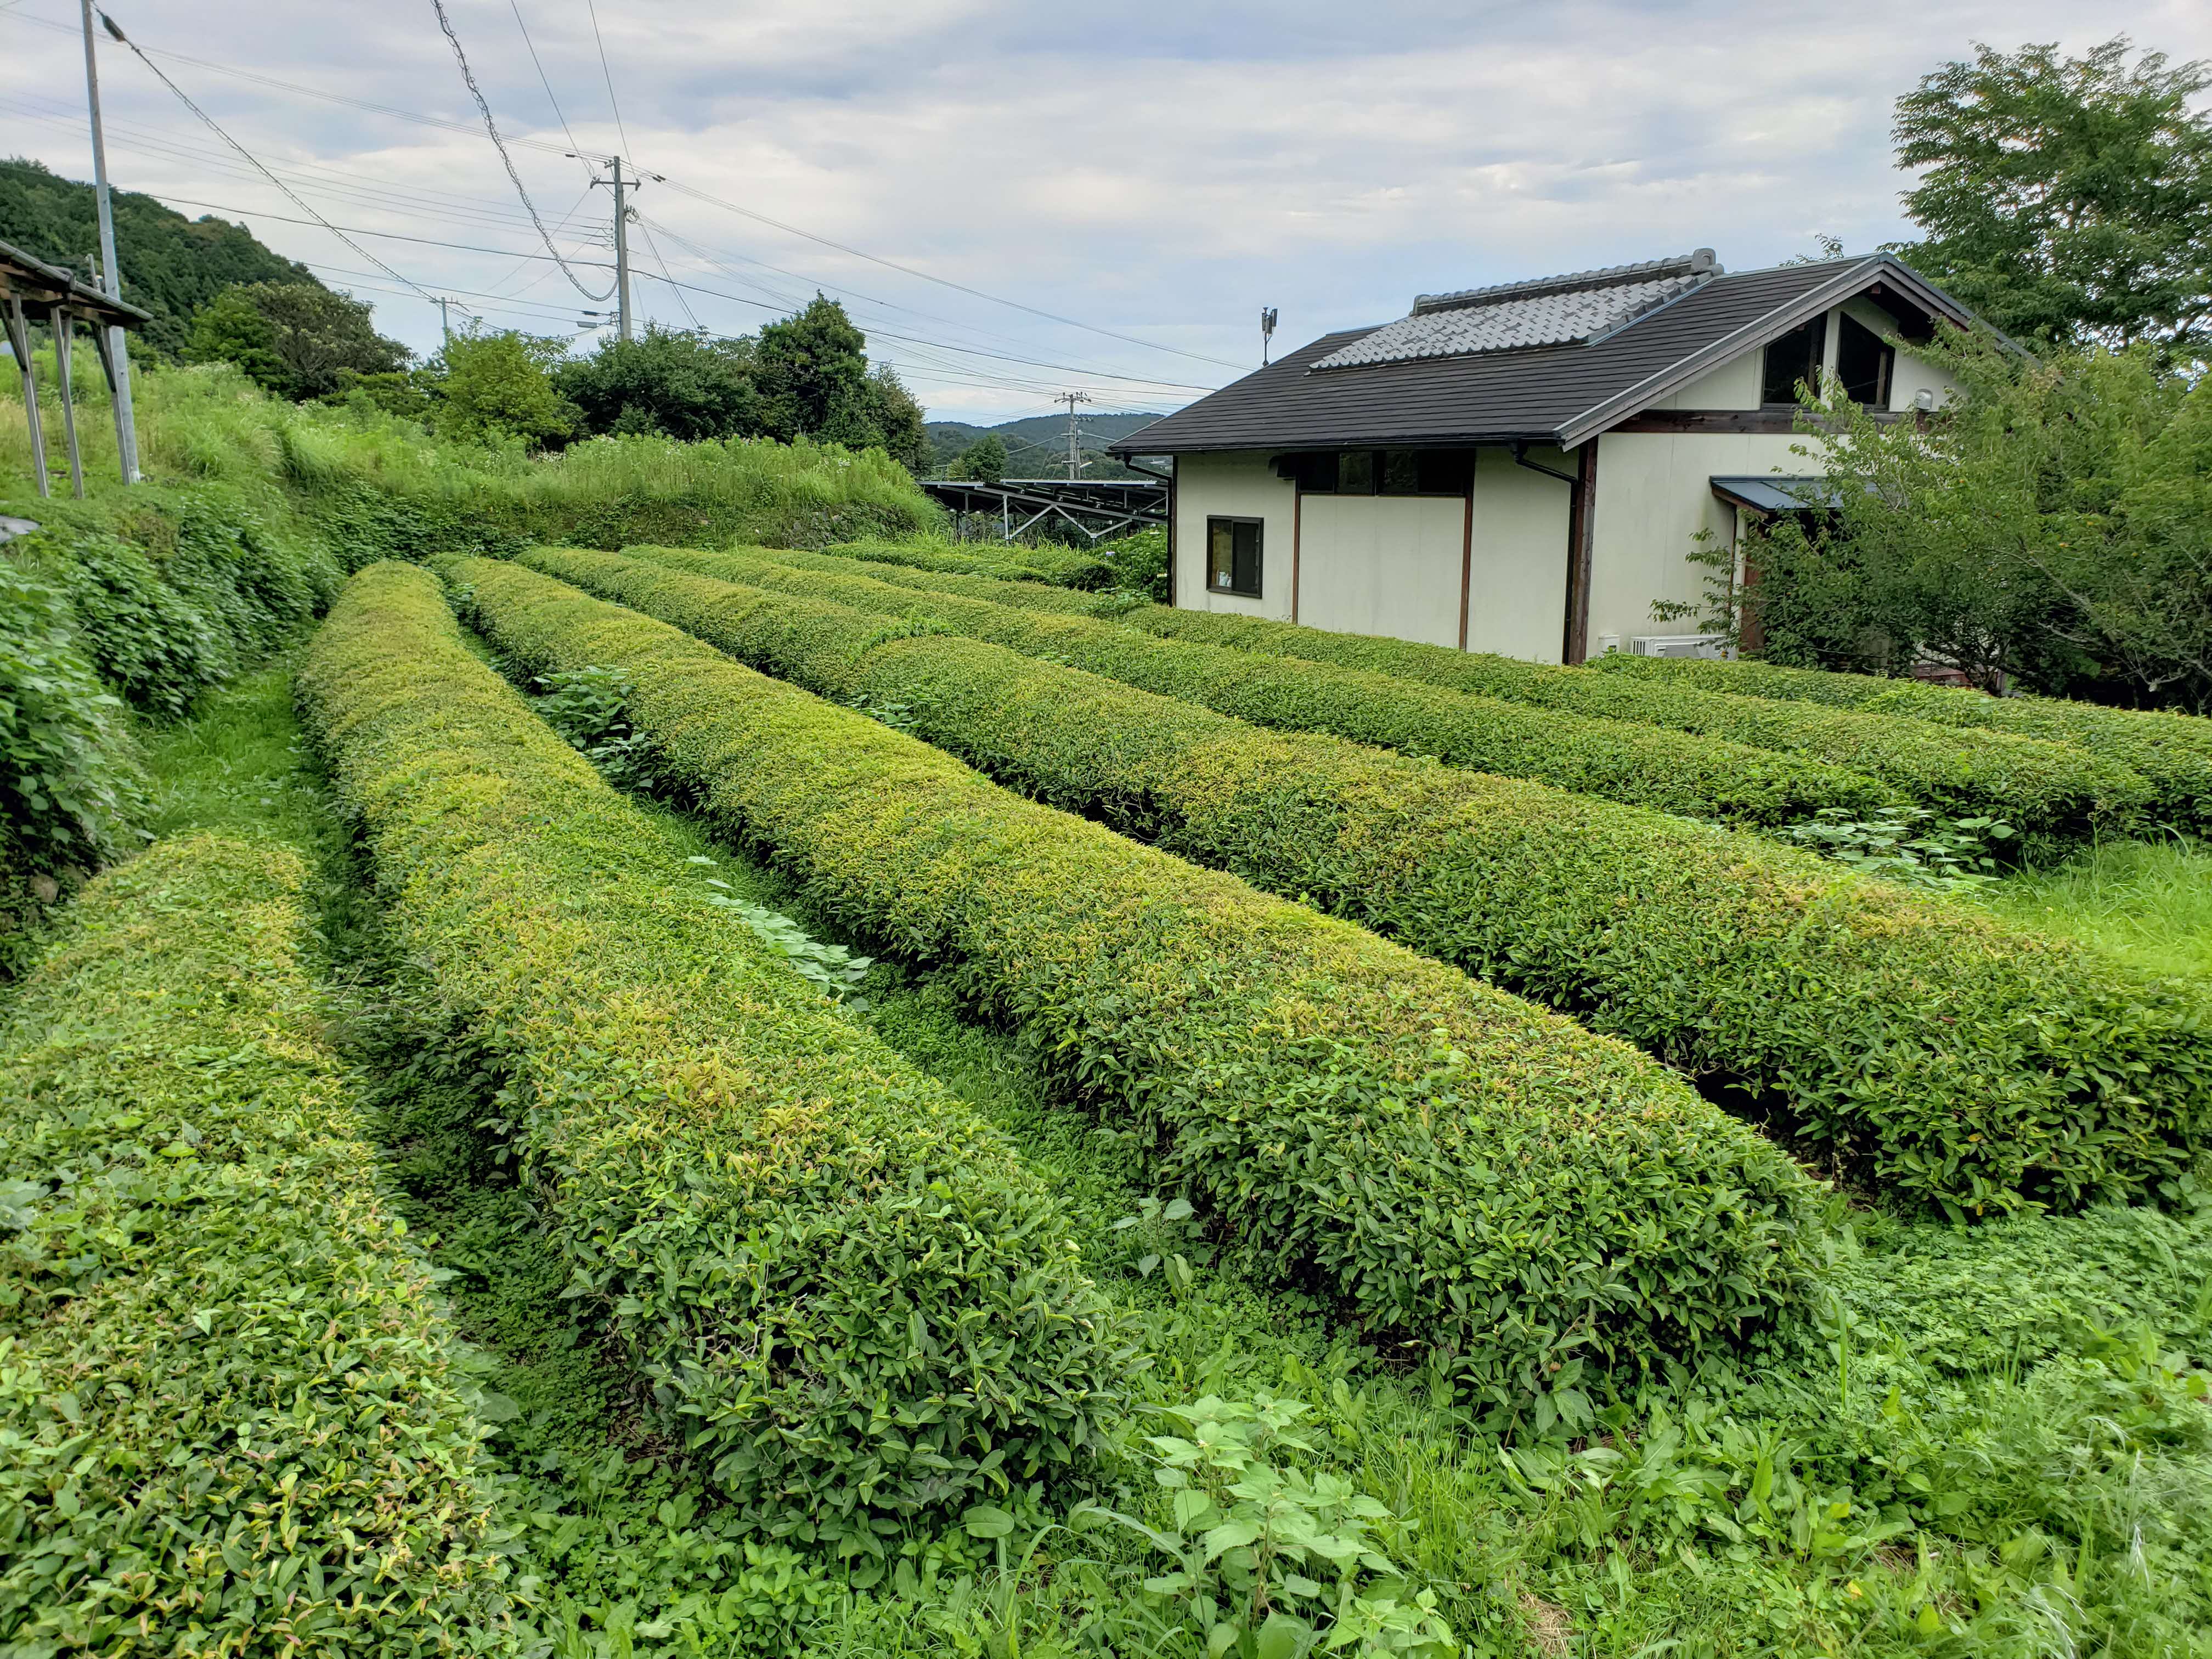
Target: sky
1019, 201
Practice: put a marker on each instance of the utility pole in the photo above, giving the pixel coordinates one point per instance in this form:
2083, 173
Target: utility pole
445, 323
620, 185
1074, 443
111, 275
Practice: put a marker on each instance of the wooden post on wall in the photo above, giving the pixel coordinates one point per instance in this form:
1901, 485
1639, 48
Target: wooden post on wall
1297, 534
1175, 594
1582, 514
19, 342
1466, 551
57, 318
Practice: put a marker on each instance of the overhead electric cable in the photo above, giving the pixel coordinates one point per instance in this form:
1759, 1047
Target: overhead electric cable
574, 148
600, 40
290, 195
499, 144
655, 248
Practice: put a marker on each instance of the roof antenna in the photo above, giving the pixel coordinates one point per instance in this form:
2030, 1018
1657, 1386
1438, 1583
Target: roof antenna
1266, 331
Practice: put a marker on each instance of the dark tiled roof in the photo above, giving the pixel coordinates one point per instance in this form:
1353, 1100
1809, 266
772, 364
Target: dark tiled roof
1553, 394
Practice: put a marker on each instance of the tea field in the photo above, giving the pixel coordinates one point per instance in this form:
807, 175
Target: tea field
568, 1094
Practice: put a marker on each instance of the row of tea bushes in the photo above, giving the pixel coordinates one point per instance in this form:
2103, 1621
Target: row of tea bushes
1046, 563
2173, 751
1951, 1058
854, 1304
1463, 1171
230, 1421
1694, 776
2038, 780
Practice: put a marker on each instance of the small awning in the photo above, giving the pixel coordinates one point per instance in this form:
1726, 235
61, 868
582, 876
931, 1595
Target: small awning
1775, 493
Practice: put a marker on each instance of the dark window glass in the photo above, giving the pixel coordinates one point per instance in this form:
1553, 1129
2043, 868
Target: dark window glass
1401, 472
1447, 471
1863, 363
1794, 358
1355, 472
1233, 556
1316, 474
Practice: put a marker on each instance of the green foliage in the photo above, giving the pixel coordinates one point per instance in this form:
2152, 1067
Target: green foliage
2173, 751
1141, 565
1044, 561
671, 383
2067, 199
1695, 776
171, 266
984, 460
590, 708
853, 1305
492, 387
1909, 844
1953, 1061
2148, 903
811, 370
232, 1418
1348, 1115
1272, 1561
297, 340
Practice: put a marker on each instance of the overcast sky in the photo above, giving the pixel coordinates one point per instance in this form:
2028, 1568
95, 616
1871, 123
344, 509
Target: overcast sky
1155, 171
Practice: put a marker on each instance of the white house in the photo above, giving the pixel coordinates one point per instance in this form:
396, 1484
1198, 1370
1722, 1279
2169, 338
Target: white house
1522, 469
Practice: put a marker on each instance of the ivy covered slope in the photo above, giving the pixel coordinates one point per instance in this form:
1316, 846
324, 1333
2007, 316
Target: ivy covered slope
229, 1419
2172, 751
1950, 1057
1467, 1172
1676, 772
2053, 791
852, 1302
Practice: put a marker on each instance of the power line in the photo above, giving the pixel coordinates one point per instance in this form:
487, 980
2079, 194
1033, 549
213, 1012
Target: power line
492, 127
576, 148
665, 277
600, 41
289, 192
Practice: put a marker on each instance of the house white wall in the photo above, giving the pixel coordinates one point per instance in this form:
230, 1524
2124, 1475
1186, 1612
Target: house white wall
1382, 564
1238, 485
1517, 585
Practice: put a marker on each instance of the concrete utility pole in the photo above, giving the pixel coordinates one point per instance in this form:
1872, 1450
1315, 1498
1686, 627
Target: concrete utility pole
445, 322
1074, 441
111, 275
620, 185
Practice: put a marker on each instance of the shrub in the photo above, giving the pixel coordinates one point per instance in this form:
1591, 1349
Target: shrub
1952, 1058
852, 1302
232, 1416
1466, 1171
869, 558
1046, 562
1697, 777
2172, 752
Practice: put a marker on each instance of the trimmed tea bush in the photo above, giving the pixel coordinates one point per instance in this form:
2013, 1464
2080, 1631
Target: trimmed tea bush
1461, 1168
1949, 1057
1047, 563
2173, 751
1694, 776
230, 1415
853, 1303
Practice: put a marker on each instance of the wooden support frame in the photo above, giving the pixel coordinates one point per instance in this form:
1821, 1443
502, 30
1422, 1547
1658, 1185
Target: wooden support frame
19, 342
64, 332
1297, 536
1582, 517
1467, 550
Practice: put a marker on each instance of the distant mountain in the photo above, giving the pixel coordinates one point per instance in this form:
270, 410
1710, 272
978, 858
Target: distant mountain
171, 265
1036, 445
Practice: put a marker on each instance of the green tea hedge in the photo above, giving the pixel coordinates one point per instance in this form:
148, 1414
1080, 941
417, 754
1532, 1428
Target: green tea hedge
1061, 567
2173, 751
1695, 776
229, 1418
853, 1303
1462, 1170
1951, 1058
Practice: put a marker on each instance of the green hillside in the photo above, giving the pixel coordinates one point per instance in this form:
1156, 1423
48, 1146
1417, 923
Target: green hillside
1036, 445
171, 265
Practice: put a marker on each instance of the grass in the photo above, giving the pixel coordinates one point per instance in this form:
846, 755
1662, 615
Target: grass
2147, 901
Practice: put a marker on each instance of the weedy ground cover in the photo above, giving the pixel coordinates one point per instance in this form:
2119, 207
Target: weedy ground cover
1912, 1041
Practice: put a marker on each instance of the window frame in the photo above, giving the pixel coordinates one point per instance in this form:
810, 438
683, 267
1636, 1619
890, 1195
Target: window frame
1884, 358
1817, 329
1258, 553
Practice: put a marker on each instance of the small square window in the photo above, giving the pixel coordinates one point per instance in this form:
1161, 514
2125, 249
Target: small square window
1794, 361
1233, 556
1401, 472
1355, 472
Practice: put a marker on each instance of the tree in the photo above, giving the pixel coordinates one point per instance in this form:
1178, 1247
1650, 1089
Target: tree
813, 372
901, 423
984, 460
299, 339
2068, 200
687, 386
496, 385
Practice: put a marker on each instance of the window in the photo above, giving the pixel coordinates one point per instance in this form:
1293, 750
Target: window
1232, 557
1355, 472
1380, 471
1793, 360
1863, 363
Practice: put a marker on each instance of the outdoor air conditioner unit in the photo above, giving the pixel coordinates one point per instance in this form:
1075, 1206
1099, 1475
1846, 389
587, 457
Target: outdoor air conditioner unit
1677, 645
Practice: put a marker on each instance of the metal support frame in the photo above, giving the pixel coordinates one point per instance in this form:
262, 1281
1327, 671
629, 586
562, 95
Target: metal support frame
117, 367
57, 319
19, 342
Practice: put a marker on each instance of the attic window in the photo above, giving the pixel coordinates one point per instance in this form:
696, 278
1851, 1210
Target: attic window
1864, 364
1792, 360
